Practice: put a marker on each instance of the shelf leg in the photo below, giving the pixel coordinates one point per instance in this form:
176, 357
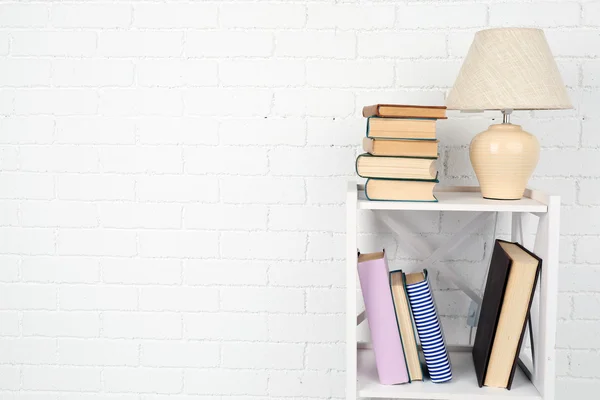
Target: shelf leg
351, 261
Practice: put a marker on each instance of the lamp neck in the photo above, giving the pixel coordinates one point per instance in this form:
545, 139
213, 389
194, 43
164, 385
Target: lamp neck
506, 115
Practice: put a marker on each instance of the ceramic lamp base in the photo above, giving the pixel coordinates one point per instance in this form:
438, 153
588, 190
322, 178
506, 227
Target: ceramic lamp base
504, 158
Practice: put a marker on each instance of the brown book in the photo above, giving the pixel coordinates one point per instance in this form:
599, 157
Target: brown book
407, 333
401, 148
398, 128
399, 190
368, 166
404, 111
509, 289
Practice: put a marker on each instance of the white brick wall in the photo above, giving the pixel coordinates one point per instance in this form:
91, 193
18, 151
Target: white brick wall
172, 180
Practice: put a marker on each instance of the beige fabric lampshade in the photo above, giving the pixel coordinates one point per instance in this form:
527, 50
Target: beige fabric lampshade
509, 68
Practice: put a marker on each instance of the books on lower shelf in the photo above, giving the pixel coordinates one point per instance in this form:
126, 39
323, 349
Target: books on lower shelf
400, 145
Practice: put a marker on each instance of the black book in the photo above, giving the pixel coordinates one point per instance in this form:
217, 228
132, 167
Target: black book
509, 289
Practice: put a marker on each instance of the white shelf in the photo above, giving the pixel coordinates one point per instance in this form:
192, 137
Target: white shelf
463, 385
464, 200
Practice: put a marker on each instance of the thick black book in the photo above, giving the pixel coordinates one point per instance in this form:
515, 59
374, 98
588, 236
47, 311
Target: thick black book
491, 308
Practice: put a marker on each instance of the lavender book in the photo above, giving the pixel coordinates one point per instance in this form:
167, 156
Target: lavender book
375, 285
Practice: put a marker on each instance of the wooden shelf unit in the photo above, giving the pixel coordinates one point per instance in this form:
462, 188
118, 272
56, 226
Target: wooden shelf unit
529, 384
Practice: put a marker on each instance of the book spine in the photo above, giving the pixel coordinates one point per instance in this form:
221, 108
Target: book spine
430, 331
381, 317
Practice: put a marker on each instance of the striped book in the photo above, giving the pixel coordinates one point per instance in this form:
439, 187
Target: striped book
428, 327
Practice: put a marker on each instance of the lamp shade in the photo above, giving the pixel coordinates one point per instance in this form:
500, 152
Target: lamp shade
509, 68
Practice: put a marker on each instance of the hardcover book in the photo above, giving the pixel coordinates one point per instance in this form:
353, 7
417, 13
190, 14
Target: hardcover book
400, 190
509, 289
398, 128
405, 111
368, 166
375, 285
401, 147
428, 327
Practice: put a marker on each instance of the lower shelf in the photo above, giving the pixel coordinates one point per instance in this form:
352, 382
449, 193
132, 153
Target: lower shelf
463, 385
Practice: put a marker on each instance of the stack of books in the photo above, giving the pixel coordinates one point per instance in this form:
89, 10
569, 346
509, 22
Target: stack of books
401, 151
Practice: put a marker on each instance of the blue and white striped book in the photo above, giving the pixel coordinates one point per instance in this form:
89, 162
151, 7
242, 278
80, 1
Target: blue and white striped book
428, 327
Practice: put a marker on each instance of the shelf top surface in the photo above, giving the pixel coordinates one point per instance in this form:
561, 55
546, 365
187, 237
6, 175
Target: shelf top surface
454, 199
463, 385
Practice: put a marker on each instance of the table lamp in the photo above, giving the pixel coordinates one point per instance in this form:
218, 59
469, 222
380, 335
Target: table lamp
507, 69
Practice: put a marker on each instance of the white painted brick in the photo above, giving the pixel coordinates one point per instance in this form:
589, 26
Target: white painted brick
30, 241
325, 356
315, 44
96, 242
188, 130
401, 45
263, 245
584, 364
181, 72
307, 274
95, 130
590, 71
228, 43
225, 326
350, 16
578, 334
313, 102
429, 73
9, 158
61, 378
579, 278
335, 131
59, 269
336, 73
218, 381
180, 188
271, 300
590, 100
575, 43
305, 218
576, 388
95, 187
569, 70
326, 246
28, 351
591, 14
56, 101
103, 15
589, 192
306, 328
9, 213
7, 101
59, 159
4, 43
18, 296
326, 190
61, 323
53, 43
554, 132
9, 323
580, 221
566, 162
586, 307
539, 14
180, 244
95, 352
257, 15
225, 272
9, 377
179, 299
300, 162
263, 355
143, 380
179, 15
144, 325
10, 268
24, 72
225, 160
139, 44
264, 190
180, 354
440, 15
263, 131
88, 297
139, 215
562, 362
141, 159
92, 72
147, 101
307, 383
24, 130
328, 300
397, 96
23, 15
262, 73
241, 102
225, 217
141, 271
